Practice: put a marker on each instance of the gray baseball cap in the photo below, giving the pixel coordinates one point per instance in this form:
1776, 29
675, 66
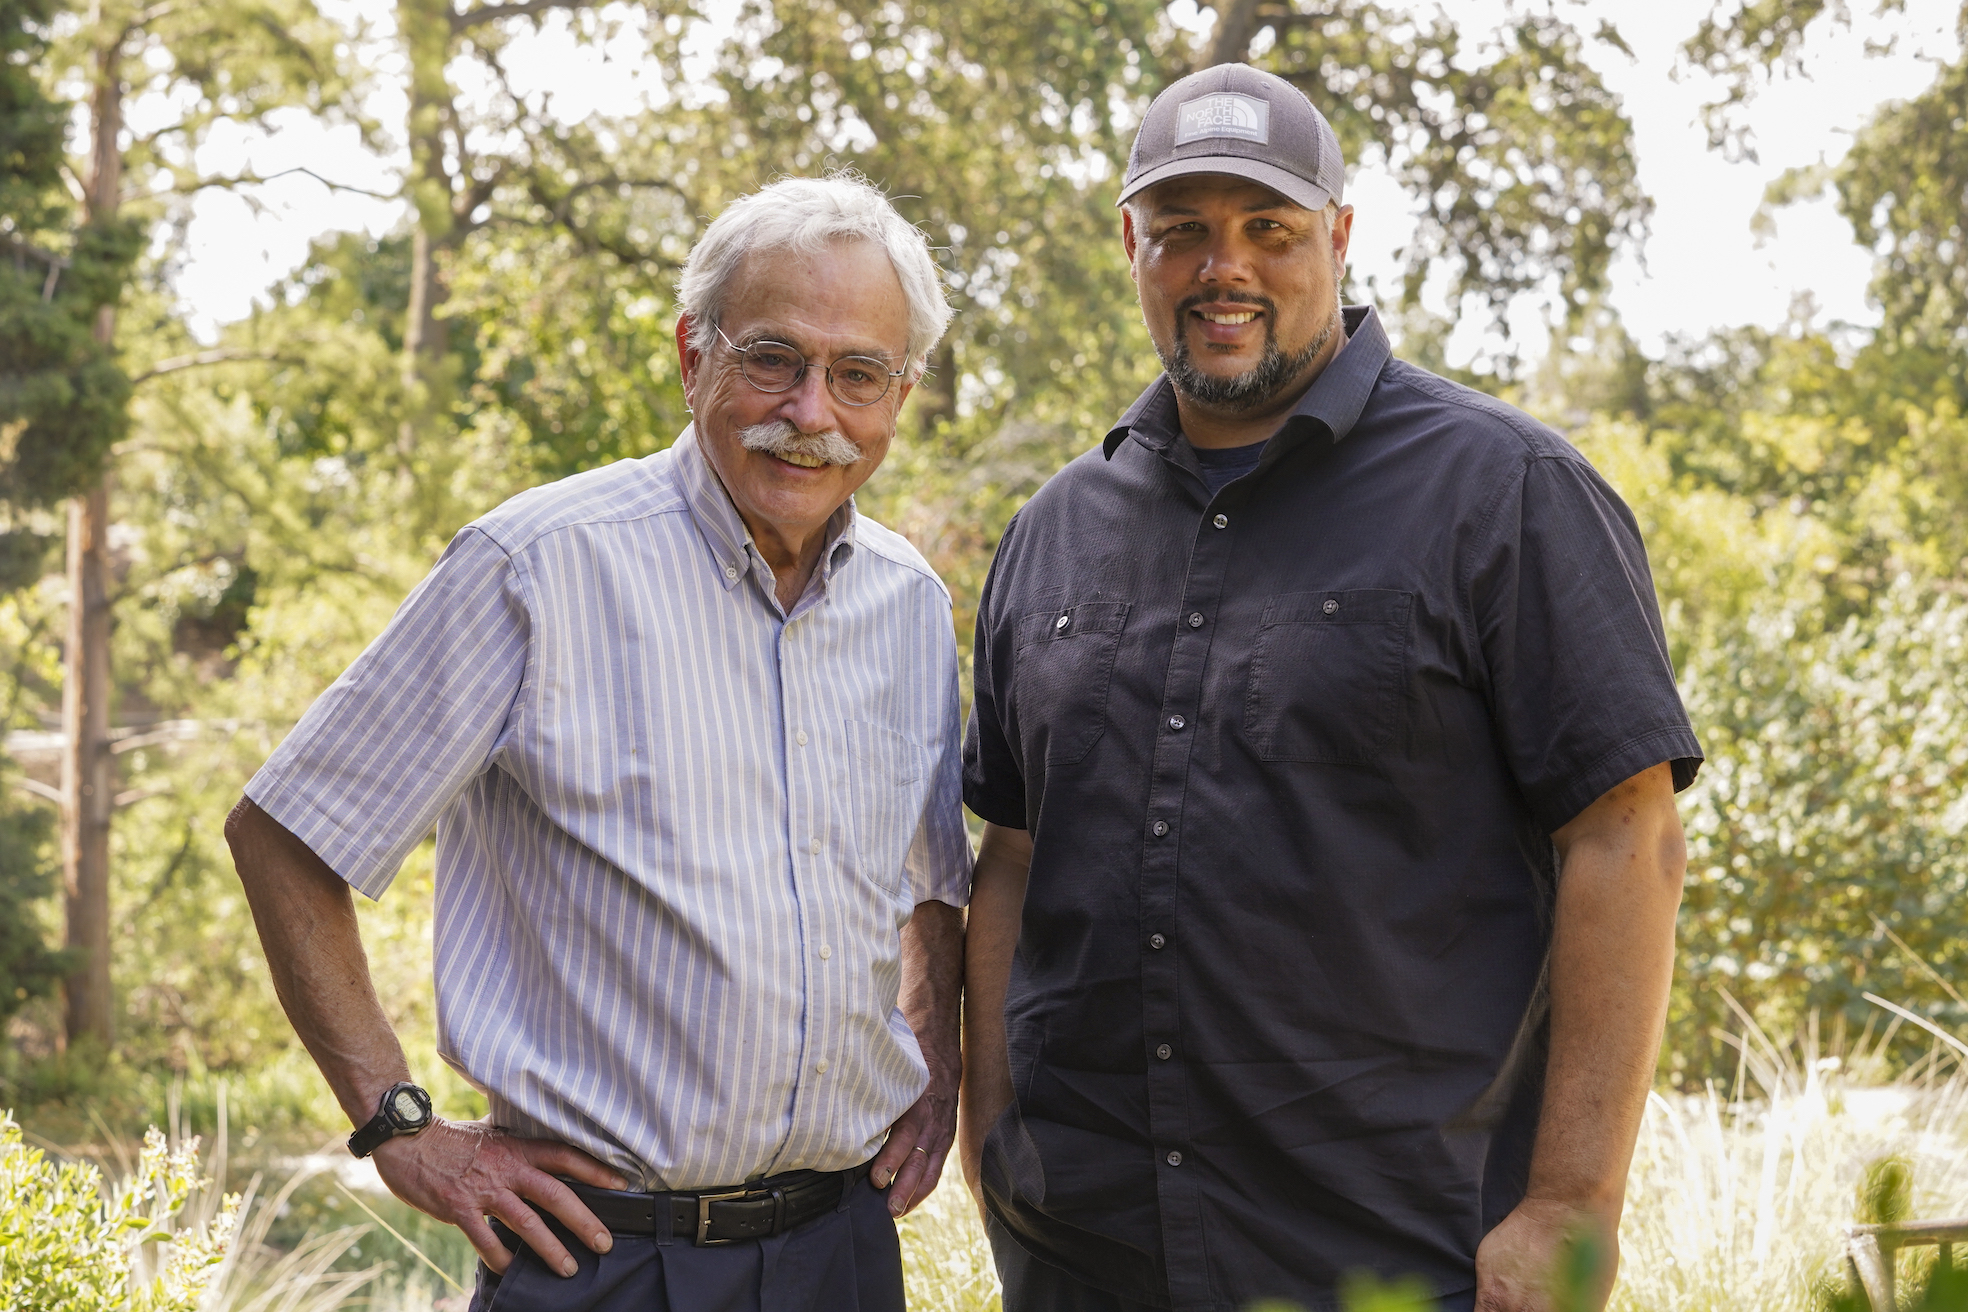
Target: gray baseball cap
1235, 119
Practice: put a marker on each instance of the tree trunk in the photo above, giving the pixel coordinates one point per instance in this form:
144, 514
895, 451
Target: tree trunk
426, 28
1236, 27
87, 785
87, 782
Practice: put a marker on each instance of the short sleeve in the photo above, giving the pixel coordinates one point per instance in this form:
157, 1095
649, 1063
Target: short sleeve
379, 755
939, 861
1581, 687
993, 777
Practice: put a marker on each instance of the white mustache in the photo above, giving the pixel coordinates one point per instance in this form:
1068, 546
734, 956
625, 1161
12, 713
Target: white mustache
780, 438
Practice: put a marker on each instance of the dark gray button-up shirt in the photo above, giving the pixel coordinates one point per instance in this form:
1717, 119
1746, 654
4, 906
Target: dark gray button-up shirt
1291, 756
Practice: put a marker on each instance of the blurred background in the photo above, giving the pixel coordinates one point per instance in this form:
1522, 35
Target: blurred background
290, 290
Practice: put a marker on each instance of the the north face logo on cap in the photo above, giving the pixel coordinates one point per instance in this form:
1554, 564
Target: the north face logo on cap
1224, 114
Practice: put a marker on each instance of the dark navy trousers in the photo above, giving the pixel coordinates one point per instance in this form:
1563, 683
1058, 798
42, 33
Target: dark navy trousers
846, 1261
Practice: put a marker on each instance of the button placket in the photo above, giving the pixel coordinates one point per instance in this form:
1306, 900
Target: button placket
1181, 705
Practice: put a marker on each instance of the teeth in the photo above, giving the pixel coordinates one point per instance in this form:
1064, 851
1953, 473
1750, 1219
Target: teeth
800, 459
1244, 317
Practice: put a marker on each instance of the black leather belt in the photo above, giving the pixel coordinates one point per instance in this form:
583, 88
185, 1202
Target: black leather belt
723, 1216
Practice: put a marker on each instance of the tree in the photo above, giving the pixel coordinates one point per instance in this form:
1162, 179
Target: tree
235, 62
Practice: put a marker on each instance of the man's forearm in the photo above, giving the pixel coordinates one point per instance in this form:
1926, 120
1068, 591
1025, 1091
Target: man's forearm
932, 985
1612, 955
1612, 958
997, 905
306, 919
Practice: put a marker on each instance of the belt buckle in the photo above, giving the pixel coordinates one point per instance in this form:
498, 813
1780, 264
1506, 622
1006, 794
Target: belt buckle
704, 1201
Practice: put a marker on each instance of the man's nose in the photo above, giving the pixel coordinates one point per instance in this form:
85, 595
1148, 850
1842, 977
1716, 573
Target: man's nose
807, 404
1226, 260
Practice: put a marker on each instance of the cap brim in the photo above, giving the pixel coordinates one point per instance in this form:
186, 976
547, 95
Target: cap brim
1289, 185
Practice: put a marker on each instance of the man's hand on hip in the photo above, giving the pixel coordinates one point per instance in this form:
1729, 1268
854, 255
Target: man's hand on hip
464, 1171
1525, 1263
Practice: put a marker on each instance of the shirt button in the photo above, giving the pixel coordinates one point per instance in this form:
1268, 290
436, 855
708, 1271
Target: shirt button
1176, 722
821, 1066
1157, 942
1165, 1052
1195, 619
1161, 829
1221, 521
814, 847
1062, 622
825, 952
731, 571
1175, 1159
1332, 604
800, 737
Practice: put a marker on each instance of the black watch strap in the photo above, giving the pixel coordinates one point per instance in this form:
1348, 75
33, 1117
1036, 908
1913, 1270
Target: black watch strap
404, 1109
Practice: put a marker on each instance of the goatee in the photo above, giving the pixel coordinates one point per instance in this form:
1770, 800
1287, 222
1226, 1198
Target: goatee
1256, 386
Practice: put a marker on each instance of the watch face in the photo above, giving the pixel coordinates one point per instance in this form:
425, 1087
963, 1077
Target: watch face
407, 1109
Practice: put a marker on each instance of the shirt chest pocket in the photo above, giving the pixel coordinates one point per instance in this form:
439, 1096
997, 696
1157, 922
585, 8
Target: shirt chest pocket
885, 799
1328, 672
1063, 664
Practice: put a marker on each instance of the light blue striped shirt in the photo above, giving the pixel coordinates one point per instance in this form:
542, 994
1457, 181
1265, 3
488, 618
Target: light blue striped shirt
678, 830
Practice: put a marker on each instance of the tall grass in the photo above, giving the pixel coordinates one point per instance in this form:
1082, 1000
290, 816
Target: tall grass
946, 1260
1738, 1202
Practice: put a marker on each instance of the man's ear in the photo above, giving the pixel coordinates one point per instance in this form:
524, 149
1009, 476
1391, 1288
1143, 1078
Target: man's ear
688, 356
1342, 233
1129, 239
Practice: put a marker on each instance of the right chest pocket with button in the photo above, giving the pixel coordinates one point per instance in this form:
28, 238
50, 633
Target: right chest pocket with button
1063, 663
1328, 671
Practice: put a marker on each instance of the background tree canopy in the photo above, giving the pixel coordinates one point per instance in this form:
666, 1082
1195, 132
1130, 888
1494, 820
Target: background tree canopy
274, 496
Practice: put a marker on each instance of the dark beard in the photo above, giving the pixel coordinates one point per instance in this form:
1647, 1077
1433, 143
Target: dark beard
1258, 385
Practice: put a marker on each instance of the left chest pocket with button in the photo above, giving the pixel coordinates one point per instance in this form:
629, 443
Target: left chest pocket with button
1062, 667
885, 792
1328, 673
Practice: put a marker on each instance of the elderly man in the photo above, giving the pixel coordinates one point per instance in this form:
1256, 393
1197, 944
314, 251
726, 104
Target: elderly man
687, 728
1327, 744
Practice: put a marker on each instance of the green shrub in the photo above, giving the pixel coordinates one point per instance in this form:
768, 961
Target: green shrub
67, 1245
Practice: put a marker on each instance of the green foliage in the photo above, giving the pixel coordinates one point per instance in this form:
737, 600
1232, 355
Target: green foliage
67, 1245
1885, 1194
1520, 158
28, 967
61, 393
1831, 805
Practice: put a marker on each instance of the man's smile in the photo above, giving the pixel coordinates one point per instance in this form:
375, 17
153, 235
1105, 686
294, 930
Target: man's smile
1225, 323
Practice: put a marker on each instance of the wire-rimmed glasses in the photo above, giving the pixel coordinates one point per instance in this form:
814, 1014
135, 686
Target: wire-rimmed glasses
855, 380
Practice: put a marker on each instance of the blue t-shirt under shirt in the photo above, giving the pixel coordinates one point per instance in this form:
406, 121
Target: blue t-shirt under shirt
1221, 465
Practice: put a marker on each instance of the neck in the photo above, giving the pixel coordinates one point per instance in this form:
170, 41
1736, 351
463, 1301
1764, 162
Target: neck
792, 556
1214, 427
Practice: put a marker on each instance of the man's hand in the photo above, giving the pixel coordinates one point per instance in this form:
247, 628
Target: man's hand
463, 1171
1521, 1265
911, 1162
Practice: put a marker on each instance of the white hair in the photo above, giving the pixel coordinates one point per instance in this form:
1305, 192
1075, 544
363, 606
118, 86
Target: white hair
807, 215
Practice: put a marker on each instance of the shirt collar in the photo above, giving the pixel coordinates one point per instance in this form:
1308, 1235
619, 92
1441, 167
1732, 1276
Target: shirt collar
724, 532
1333, 402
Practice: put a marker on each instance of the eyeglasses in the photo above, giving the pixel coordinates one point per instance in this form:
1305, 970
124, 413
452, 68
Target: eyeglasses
855, 380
